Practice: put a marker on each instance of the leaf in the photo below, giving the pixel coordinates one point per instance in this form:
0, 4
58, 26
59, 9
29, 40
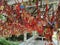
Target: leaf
2, 17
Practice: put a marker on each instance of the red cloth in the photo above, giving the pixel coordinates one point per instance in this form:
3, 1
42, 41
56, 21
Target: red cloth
35, 27
18, 11
8, 9
52, 19
33, 22
48, 33
40, 31
27, 25
45, 14
26, 20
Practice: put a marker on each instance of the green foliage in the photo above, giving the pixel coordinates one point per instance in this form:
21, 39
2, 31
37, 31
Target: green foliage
2, 17
19, 38
13, 40
3, 41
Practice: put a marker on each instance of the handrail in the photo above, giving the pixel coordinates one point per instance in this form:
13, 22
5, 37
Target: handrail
29, 40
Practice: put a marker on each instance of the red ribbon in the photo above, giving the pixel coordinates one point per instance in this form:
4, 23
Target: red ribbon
40, 31
46, 7
18, 11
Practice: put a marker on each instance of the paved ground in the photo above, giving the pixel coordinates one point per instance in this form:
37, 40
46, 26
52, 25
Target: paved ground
34, 42
39, 42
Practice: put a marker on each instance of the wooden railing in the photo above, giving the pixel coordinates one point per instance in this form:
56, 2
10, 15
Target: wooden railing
31, 41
